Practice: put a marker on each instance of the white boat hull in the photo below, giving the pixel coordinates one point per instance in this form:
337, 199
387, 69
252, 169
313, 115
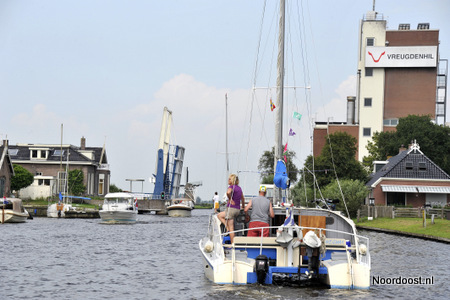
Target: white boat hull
179, 211
13, 217
119, 208
12, 211
180, 207
55, 211
119, 216
342, 265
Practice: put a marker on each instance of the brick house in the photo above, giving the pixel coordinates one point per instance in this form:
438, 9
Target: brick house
409, 178
6, 170
48, 164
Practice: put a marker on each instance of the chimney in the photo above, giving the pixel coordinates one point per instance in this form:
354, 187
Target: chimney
351, 109
83, 143
401, 149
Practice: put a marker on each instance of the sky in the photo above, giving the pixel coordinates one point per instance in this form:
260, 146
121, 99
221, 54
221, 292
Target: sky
106, 69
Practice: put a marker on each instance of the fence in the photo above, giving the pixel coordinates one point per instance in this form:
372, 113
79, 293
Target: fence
401, 212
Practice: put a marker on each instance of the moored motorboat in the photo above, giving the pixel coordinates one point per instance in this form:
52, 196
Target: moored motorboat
12, 211
180, 207
119, 208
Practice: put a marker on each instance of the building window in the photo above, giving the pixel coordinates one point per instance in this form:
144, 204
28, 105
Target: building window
369, 72
368, 102
101, 184
2, 187
13, 152
370, 42
409, 165
58, 152
422, 166
390, 122
38, 154
366, 131
44, 182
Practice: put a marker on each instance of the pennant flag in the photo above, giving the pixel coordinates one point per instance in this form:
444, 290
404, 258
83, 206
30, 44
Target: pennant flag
289, 220
285, 153
291, 132
272, 106
297, 115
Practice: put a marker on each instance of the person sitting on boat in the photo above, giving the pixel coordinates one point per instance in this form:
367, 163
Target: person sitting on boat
262, 210
235, 199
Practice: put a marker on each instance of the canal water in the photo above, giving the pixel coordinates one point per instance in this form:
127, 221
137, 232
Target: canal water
158, 258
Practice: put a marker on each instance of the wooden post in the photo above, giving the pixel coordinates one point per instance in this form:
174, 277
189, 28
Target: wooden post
424, 219
376, 211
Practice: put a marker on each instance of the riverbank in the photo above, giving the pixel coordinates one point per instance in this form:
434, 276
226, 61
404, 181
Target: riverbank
439, 231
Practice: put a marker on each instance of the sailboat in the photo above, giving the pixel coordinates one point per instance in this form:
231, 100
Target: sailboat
306, 246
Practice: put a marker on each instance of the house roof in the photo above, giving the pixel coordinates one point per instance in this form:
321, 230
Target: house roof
4, 156
409, 164
21, 152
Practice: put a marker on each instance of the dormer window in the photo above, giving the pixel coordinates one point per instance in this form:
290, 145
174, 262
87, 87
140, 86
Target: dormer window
409, 165
422, 166
38, 153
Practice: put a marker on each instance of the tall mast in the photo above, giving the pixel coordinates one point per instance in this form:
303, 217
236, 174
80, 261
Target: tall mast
226, 134
280, 90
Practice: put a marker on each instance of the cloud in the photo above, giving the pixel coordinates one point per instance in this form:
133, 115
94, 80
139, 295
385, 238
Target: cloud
41, 125
336, 108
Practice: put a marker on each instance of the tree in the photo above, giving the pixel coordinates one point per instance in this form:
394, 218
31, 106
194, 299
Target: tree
76, 186
266, 166
340, 157
21, 179
114, 189
433, 139
302, 194
354, 192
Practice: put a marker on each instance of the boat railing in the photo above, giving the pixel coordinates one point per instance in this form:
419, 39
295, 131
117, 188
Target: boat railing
360, 247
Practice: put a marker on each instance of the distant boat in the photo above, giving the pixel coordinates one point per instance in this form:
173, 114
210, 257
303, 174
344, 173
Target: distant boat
119, 208
180, 207
12, 211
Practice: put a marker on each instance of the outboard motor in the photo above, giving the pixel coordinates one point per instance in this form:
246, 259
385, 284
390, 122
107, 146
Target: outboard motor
313, 244
261, 268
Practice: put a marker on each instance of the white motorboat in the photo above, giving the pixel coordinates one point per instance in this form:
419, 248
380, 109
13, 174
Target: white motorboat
12, 211
119, 208
180, 207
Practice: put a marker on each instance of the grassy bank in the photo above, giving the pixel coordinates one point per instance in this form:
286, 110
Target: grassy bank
440, 228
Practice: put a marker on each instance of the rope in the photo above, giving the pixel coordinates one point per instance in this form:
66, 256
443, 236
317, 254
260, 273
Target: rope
335, 173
